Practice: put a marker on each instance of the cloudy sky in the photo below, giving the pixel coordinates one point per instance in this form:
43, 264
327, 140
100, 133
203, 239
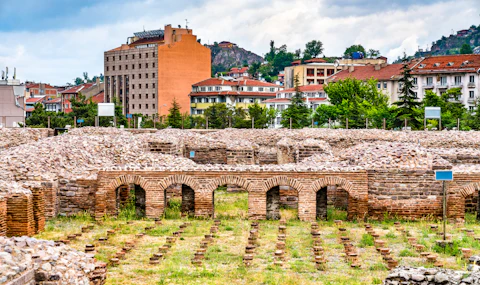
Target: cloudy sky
57, 40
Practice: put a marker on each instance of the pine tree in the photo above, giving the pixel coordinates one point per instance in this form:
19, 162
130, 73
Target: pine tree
407, 104
297, 111
174, 117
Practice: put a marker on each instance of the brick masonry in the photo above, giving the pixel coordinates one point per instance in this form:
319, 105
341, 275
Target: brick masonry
3, 216
20, 217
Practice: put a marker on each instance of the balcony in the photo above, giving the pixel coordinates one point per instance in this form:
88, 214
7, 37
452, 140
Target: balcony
428, 86
472, 100
442, 86
471, 84
456, 100
457, 85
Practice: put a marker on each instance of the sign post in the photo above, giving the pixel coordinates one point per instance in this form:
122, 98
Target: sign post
444, 175
433, 113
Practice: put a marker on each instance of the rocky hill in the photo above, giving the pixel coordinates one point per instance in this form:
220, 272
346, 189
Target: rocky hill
226, 55
453, 43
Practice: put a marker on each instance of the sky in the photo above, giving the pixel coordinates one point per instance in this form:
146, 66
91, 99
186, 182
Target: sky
55, 41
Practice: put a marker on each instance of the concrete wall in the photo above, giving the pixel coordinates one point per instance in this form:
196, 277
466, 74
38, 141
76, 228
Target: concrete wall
10, 113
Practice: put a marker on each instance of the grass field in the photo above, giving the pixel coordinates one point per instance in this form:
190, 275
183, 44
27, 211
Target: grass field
224, 258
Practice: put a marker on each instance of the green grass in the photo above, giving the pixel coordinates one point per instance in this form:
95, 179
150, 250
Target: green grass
367, 240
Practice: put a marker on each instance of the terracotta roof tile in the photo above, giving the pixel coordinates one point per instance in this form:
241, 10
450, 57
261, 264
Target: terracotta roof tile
78, 88
448, 64
233, 93
388, 72
99, 98
305, 88
35, 100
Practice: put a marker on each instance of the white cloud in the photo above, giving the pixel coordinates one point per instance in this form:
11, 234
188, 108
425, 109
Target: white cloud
58, 56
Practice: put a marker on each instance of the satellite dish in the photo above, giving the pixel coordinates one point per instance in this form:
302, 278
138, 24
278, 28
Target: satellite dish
336, 63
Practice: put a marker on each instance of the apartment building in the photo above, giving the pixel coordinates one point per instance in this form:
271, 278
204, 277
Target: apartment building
387, 76
313, 95
12, 106
39, 90
152, 68
236, 93
440, 73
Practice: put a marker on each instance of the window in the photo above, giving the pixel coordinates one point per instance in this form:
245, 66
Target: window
133, 66
260, 89
113, 57
415, 81
139, 96
139, 76
330, 72
240, 100
199, 112
321, 72
429, 81
384, 85
472, 79
415, 95
126, 56
458, 80
133, 56
139, 66
119, 67
146, 106
213, 100
472, 94
153, 54
153, 106
153, 75
153, 85
139, 55
249, 88
133, 86
126, 66
471, 108
107, 58
321, 81
133, 76
133, 96
139, 106
119, 57
379, 85
218, 88
114, 68
146, 65
252, 100
443, 81
153, 64
146, 75
133, 106
146, 96
272, 89
146, 55
153, 96
310, 72
139, 86
210, 88
107, 68
202, 89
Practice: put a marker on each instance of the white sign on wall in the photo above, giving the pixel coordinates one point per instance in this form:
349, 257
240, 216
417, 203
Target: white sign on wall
106, 109
433, 112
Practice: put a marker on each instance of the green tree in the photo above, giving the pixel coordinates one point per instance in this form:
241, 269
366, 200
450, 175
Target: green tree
217, 116
259, 115
324, 113
297, 111
354, 48
313, 48
78, 81
253, 69
408, 106
174, 118
271, 53
466, 49
373, 53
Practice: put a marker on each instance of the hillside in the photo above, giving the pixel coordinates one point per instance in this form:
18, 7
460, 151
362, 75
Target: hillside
453, 43
226, 55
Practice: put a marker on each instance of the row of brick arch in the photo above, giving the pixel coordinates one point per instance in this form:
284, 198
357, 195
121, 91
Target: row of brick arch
233, 180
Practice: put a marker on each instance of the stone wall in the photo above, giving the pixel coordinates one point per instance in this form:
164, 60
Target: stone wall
165, 148
263, 157
337, 197
38, 203
431, 276
76, 196
285, 154
240, 156
404, 194
50, 190
203, 155
3, 216
20, 216
288, 197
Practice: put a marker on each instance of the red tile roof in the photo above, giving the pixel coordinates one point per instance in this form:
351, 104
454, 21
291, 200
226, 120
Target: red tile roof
389, 72
238, 70
78, 88
244, 82
305, 88
29, 110
286, 100
321, 60
251, 82
53, 101
99, 98
448, 64
34, 100
233, 93
37, 85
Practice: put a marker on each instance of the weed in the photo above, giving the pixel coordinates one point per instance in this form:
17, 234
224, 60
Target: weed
367, 240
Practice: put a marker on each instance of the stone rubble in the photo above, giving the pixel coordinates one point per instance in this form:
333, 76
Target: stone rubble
431, 276
50, 262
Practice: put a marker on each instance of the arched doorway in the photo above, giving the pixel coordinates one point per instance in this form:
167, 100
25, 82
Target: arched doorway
230, 202
282, 202
333, 199
179, 201
130, 201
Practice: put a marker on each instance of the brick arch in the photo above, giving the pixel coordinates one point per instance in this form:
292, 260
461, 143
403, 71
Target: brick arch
469, 189
232, 180
179, 179
282, 181
331, 181
129, 179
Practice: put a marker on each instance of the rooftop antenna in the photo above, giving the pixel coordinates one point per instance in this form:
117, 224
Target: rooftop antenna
186, 24
14, 73
6, 73
144, 28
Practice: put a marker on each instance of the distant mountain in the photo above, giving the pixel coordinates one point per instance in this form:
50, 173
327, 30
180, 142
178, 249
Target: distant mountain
226, 55
453, 43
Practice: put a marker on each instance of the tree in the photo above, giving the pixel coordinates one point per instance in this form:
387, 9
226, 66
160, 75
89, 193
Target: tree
259, 115
313, 48
253, 69
78, 81
324, 113
354, 48
407, 103
217, 116
85, 77
39, 118
297, 111
466, 49
271, 53
174, 118
373, 53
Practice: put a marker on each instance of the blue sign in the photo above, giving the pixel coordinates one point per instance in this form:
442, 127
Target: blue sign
80, 121
129, 116
444, 175
192, 154
316, 123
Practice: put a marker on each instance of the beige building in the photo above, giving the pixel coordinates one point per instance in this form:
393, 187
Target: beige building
153, 68
12, 112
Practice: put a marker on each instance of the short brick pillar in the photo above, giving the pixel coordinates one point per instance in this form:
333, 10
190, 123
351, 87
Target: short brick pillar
20, 218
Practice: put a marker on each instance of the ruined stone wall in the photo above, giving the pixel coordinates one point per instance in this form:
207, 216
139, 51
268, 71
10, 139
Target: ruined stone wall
20, 216
288, 197
3, 216
165, 148
404, 194
207, 155
265, 157
462, 189
240, 156
285, 154
76, 196
38, 203
337, 197
50, 190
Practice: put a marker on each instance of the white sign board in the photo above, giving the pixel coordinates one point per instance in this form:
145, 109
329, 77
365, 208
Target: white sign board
433, 112
106, 109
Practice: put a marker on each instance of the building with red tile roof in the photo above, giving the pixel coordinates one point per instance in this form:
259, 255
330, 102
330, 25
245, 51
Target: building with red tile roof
236, 93
33, 89
99, 98
30, 104
236, 72
440, 73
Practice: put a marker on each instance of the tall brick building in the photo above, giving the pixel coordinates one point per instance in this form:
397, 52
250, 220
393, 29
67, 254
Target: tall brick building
153, 68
